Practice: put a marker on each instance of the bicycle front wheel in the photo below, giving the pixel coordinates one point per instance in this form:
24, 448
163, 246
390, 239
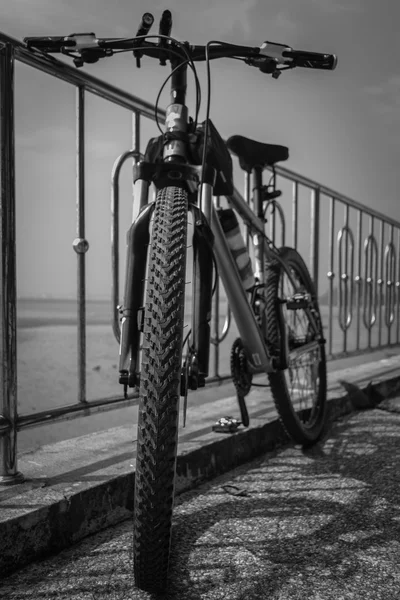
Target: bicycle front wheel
299, 392
160, 390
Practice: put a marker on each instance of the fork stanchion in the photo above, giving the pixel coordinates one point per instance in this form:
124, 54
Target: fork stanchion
118, 164
9, 474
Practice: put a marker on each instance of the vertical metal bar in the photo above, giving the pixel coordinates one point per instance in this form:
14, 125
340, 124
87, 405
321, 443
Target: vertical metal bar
380, 283
345, 275
247, 199
136, 131
370, 285
216, 318
273, 221
398, 290
358, 278
295, 213
314, 250
136, 147
331, 273
390, 277
8, 295
80, 244
345, 295
115, 248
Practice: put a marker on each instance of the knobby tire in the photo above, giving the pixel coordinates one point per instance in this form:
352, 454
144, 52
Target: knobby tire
304, 426
160, 390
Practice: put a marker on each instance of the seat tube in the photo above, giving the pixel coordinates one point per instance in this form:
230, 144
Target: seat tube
258, 239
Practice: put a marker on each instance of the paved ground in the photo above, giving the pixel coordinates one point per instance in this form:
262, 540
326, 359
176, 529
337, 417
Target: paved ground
317, 525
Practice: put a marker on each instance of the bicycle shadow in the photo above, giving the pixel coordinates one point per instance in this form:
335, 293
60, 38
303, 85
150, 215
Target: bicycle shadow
308, 513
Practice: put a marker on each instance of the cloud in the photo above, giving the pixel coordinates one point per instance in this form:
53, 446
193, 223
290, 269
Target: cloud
282, 22
385, 104
22, 18
230, 14
337, 6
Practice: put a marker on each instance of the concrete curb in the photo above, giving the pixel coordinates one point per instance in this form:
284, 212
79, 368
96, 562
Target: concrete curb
48, 519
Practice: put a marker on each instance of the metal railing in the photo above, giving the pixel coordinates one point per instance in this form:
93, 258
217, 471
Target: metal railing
365, 303
362, 256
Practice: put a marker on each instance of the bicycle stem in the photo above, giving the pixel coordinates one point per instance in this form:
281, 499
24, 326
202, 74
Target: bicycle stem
177, 117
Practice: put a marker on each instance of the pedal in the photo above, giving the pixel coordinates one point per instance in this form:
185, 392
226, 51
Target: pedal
226, 425
298, 301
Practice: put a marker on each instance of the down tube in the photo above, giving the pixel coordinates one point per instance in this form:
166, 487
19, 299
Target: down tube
238, 302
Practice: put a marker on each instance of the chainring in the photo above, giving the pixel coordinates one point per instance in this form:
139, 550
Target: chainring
241, 376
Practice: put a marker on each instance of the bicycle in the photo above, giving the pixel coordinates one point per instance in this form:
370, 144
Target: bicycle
188, 165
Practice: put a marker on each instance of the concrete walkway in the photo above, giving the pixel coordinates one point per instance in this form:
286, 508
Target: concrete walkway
322, 524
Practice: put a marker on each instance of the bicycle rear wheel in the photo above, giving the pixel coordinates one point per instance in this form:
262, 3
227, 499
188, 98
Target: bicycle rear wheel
160, 390
299, 392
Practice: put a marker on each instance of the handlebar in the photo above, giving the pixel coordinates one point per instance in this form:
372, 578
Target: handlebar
51, 44
86, 47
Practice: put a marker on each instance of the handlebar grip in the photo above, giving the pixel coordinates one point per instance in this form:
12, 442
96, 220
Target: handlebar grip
50, 44
165, 23
313, 60
145, 25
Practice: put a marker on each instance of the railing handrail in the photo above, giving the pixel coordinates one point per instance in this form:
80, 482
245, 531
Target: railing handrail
10, 421
323, 189
57, 68
53, 66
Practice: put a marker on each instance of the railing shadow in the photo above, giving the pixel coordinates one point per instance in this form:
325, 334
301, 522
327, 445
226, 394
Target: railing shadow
321, 523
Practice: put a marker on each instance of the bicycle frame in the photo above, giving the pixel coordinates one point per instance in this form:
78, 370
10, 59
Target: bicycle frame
174, 170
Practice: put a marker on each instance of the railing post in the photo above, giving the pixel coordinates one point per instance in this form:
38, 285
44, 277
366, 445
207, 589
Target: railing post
295, 213
8, 370
80, 244
314, 251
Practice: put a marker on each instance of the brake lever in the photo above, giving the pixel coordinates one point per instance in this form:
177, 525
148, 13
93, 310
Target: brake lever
90, 56
265, 65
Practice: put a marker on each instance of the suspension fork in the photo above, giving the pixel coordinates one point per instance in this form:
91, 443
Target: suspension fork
202, 293
138, 238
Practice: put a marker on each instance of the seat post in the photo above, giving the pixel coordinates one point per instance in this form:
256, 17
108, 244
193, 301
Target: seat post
257, 191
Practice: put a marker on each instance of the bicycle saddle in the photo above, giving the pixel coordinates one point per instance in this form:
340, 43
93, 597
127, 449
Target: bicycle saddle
252, 154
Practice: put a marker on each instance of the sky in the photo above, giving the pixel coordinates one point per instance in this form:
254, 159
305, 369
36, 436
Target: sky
342, 127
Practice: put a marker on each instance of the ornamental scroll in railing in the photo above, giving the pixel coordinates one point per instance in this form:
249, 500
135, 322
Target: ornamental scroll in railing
356, 313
